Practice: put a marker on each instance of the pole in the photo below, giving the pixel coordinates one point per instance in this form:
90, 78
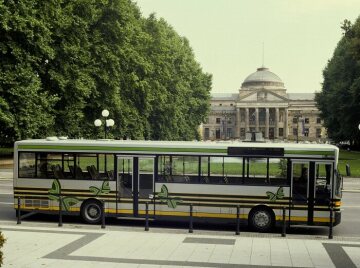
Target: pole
60, 211
237, 220
283, 234
331, 223
147, 216
103, 215
18, 211
191, 229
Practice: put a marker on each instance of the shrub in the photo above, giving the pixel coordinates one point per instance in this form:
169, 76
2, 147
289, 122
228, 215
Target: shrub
2, 241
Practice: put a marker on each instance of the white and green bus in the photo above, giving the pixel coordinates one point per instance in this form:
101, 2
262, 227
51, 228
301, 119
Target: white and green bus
215, 177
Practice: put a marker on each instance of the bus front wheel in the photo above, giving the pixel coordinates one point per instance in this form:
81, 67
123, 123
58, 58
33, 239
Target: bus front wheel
261, 219
91, 211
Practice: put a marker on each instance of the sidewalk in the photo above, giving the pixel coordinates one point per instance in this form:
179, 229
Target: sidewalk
33, 246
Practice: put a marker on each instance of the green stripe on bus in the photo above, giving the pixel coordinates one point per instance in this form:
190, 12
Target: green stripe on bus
303, 152
123, 149
156, 149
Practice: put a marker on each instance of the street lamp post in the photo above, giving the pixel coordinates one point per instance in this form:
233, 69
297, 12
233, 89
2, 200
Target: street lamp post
108, 122
225, 119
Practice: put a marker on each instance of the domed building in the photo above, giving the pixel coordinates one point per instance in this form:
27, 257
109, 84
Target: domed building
262, 110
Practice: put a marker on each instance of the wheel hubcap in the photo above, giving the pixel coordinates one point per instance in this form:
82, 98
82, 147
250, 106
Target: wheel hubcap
261, 219
93, 212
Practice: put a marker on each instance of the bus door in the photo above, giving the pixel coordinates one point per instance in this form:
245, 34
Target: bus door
302, 196
323, 183
135, 180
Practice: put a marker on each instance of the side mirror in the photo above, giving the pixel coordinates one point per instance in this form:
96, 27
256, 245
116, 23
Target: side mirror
348, 171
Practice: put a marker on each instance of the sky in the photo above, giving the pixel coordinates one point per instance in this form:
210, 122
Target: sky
228, 36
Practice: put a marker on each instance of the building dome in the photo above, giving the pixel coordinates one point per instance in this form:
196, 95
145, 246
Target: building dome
262, 78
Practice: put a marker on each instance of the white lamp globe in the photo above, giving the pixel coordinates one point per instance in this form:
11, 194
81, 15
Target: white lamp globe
359, 126
97, 123
110, 123
105, 113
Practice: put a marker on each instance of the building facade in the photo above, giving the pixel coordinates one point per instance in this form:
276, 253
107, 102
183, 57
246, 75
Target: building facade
264, 109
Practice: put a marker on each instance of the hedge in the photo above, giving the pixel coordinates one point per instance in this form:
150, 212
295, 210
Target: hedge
2, 241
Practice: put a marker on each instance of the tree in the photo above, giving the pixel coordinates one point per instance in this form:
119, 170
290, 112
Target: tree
339, 99
180, 91
65, 61
2, 241
25, 43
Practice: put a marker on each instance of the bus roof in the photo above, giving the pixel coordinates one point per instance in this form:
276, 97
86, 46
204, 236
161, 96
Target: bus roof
178, 147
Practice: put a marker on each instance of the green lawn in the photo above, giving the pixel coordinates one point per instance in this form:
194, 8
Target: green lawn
6, 152
353, 159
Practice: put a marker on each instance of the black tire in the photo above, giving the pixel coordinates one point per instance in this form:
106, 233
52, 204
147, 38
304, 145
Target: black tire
91, 211
261, 219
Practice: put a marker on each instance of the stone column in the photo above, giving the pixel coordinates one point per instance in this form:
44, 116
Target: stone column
286, 133
237, 124
256, 119
247, 128
276, 128
267, 119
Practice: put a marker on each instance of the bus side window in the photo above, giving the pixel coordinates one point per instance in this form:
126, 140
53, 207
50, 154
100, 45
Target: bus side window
278, 171
258, 171
27, 165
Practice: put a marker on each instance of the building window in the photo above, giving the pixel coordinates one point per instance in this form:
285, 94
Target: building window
281, 132
306, 132
220, 104
318, 120
207, 134
229, 133
295, 131
231, 104
217, 133
318, 132
295, 120
307, 121
218, 120
229, 121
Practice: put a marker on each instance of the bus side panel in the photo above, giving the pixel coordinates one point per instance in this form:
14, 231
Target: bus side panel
43, 194
217, 201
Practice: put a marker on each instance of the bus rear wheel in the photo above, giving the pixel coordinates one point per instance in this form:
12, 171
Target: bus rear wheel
261, 219
91, 211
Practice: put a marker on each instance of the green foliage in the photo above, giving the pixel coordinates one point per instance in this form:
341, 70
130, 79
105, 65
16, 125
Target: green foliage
2, 241
65, 61
25, 43
339, 100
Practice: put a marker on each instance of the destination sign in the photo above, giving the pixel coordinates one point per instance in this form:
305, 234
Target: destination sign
251, 151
